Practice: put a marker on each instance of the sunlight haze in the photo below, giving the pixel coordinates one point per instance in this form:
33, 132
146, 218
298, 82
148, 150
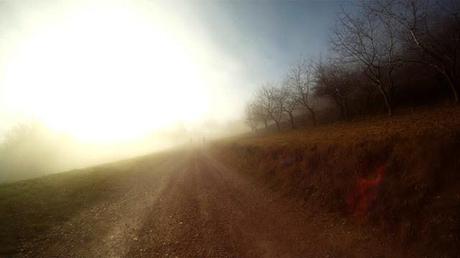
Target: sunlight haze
86, 82
229, 128
110, 71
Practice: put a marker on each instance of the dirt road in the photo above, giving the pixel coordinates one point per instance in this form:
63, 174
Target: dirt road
191, 205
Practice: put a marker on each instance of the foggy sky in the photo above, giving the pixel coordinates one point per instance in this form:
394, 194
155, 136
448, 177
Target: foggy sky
255, 40
267, 36
84, 82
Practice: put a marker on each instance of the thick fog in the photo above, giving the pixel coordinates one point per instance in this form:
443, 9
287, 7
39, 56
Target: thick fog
105, 80
31, 149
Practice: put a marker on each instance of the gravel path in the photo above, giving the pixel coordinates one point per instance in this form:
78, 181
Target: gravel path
191, 205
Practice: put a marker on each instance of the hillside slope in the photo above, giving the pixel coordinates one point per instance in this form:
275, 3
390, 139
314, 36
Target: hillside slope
383, 188
399, 176
178, 204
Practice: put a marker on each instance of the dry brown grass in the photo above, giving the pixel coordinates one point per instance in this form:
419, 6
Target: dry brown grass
400, 175
421, 122
29, 209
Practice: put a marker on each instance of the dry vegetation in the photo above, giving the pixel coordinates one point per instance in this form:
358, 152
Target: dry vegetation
30, 209
364, 184
397, 175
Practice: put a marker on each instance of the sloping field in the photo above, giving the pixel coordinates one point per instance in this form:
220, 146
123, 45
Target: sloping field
398, 176
383, 188
180, 204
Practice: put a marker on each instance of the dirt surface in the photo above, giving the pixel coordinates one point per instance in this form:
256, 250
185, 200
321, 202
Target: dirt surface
190, 205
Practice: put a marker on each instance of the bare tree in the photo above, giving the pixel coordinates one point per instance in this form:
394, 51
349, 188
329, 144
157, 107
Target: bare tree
268, 98
366, 39
431, 32
336, 82
289, 105
251, 117
256, 113
300, 81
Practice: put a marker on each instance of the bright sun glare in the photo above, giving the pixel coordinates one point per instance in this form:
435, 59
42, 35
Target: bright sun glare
105, 72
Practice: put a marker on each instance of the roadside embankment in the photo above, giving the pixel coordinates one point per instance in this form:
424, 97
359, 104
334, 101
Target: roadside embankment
399, 175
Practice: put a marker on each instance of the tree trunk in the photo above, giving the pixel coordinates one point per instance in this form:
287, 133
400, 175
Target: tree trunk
453, 87
277, 125
346, 109
386, 99
339, 104
291, 117
312, 115
388, 105
342, 111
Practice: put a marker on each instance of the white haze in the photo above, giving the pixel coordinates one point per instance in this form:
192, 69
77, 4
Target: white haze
104, 80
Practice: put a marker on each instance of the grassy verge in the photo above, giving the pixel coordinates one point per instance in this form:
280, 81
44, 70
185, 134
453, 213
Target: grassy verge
30, 208
400, 175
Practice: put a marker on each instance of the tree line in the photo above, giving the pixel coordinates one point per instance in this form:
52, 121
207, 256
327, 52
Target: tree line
383, 54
